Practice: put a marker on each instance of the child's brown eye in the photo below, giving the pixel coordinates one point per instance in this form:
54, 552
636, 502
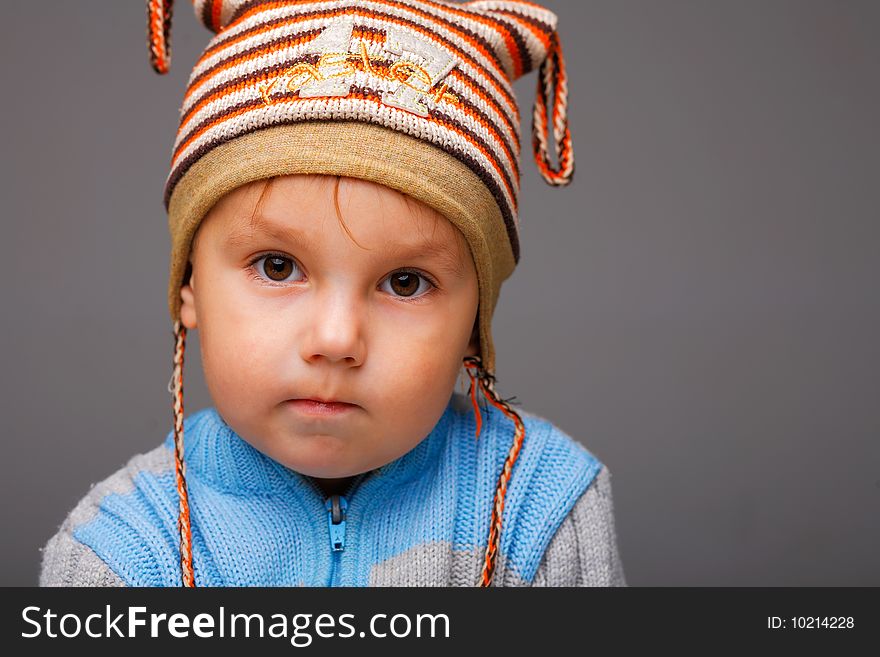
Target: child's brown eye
408, 283
275, 268
405, 284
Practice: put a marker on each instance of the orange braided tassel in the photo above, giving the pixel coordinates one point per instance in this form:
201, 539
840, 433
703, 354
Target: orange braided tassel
553, 74
183, 521
216, 7
159, 33
487, 385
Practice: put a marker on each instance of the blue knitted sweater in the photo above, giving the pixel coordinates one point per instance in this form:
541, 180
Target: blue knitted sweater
420, 520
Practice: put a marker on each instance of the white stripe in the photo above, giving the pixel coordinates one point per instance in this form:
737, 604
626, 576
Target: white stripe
363, 79
234, 97
255, 20
345, 108
199, 8
490, 36
216, 79
249, 67
537, 50
229, 8
534, 46
539, 13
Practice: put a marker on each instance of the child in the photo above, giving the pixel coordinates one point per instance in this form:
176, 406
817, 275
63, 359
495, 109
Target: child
342, 204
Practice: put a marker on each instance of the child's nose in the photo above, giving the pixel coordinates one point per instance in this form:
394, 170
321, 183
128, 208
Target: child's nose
335, 330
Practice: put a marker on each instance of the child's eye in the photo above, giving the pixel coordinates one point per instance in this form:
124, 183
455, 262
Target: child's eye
408, 283
275, 268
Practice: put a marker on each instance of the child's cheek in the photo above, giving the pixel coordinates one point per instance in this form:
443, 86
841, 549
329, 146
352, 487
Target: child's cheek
234, 357
416, 380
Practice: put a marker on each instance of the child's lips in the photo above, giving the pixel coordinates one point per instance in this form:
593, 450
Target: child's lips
319, 408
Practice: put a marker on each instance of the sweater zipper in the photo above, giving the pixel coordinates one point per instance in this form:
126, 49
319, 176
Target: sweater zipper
336, 506
337, 509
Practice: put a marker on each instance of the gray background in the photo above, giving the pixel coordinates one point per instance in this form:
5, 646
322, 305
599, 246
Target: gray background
699, 308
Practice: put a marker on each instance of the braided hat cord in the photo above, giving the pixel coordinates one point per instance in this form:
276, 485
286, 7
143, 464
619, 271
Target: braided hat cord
486, 381
552, 75
159, 33
175, 387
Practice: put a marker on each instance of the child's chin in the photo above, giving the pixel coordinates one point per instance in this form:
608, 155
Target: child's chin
319, 461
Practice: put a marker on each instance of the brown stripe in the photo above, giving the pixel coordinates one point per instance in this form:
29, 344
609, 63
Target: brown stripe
486, 95
524, 55
481, 16
544, 35
259, 27
497, 73
490, 152
206, 14
369, 94
477, 89
475, 15
215, 92
539, 24
512, 111
377, 33
269, 46
247, 6
304, 36
512, 151
484, 174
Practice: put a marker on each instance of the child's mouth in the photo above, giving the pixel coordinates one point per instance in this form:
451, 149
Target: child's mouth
318, 408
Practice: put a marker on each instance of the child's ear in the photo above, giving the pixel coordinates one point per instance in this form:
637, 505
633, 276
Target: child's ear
188, 302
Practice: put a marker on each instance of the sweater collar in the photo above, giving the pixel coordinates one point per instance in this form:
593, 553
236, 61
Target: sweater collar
214, 453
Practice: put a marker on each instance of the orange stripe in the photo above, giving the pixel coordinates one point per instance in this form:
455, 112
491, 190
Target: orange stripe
415, 10
215, 15
210, 97
540, 34
559, 79
299, 19
531, 4
157, 36
255, 55
511, 44
513, 49
509, 41
514, 130
468, 111
231, 115
492, 130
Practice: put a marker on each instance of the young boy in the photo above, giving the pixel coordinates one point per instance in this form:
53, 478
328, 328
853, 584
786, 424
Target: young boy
342, 204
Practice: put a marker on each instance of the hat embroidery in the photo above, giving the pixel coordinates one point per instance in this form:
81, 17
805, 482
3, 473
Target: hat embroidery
412, 82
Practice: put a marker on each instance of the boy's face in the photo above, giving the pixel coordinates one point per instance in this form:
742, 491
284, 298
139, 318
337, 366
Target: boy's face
289, 307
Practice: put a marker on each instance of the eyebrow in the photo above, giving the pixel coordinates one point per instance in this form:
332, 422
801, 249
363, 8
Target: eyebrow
446, 255
244, 233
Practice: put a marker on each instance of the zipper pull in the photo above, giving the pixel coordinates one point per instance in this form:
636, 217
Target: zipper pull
336, 507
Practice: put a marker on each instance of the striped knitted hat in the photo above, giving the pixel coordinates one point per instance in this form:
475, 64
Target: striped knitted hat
415, 95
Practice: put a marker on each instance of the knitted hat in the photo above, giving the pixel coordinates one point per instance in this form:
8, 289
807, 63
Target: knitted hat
415, 95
